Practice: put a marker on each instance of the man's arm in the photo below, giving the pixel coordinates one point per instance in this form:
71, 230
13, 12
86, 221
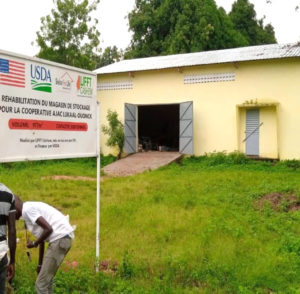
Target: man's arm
11, 221
47, 231
41, 256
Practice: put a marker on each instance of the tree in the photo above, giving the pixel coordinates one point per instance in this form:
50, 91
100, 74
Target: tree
69, 35
115, 132
109, 56
243, 16
162, 27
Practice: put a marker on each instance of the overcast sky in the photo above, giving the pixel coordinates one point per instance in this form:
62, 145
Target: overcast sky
20, 19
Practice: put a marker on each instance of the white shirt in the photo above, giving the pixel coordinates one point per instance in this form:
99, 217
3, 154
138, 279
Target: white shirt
33, 210
3, 248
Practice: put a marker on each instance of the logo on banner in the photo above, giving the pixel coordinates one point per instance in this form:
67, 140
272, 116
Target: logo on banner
12, 73
40, 78
84, 86
64, 83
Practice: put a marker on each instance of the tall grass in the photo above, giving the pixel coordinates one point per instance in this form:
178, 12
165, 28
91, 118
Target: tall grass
189, 228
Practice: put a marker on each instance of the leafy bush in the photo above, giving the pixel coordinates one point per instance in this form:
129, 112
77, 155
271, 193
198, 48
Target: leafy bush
115, 131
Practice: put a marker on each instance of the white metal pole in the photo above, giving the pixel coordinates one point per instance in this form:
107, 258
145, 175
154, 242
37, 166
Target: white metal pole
98, 191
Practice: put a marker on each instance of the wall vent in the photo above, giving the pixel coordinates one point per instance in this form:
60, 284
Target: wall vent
120, 85
209, 78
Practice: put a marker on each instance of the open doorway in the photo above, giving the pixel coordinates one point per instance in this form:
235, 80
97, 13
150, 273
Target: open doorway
158, 127
164, 127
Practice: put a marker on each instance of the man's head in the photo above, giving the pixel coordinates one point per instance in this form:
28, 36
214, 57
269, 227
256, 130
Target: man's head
19, 207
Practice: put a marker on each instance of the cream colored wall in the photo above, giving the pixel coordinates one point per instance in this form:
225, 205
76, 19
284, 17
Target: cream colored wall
241, 129
268, 133
217, 125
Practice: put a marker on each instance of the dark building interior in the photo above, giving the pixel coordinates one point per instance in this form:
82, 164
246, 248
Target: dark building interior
158, 127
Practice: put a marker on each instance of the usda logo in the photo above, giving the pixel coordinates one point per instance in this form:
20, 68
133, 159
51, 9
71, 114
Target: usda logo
40, 78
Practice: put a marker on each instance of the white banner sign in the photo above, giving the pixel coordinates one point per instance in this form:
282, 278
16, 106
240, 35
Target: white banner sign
47, 110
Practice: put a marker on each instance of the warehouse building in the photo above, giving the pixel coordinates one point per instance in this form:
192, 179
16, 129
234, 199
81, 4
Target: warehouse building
243, 99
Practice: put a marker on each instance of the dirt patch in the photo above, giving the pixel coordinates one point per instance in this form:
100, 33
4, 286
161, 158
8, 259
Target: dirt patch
72, 178
279, 202
109, 267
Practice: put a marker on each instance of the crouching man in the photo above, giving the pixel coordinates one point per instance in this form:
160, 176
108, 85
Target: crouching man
47, 224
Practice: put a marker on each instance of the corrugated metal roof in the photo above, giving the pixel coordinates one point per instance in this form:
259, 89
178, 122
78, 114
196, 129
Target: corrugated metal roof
263, 52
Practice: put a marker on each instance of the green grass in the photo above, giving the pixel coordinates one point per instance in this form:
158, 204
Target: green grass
189, 228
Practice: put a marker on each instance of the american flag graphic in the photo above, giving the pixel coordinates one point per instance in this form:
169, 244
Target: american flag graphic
12, 73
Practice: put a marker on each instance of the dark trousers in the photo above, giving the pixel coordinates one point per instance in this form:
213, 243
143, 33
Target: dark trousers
3, 270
